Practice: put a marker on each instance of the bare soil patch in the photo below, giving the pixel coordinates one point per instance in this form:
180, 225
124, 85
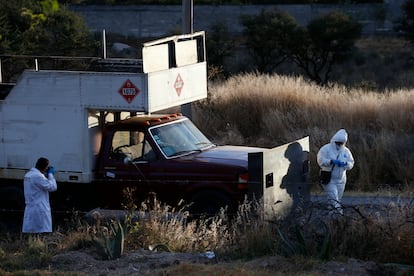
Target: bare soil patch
145, 262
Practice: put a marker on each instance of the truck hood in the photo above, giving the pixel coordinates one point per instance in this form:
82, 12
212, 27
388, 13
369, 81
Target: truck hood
230, 155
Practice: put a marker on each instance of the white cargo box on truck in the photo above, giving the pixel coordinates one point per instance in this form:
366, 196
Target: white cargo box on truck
47, 112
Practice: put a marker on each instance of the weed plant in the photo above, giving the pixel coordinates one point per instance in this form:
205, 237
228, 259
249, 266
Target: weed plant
381, 233
378, 233
172, 229
270, 110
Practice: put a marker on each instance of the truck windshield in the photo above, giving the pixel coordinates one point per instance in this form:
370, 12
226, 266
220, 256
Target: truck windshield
179, 138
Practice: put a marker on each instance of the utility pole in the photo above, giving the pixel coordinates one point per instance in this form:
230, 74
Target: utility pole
187, 28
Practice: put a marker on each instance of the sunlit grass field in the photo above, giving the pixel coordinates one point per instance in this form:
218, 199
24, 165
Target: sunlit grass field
270, 110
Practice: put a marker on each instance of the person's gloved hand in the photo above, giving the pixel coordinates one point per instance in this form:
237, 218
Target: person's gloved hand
51, 170
343, 164
336, 162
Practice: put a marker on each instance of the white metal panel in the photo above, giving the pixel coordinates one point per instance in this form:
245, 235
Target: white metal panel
279, 176
155, 58
45, 88
110, 91
57, 133
19, 130
177, 86
99, 90
186, 52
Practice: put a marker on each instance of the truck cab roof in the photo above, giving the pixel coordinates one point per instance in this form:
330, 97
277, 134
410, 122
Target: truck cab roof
146, 120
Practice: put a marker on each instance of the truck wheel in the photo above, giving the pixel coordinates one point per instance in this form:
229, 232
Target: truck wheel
12, 198
12, 205
209, 203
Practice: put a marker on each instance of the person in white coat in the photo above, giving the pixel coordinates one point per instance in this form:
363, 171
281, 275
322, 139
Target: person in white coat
338, 159
38, 182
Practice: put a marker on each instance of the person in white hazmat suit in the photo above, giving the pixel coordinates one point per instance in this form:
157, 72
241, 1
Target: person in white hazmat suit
38, 182
336, 157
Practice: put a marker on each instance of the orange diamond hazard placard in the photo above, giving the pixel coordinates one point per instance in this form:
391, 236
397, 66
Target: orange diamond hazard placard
128, 90
178, 84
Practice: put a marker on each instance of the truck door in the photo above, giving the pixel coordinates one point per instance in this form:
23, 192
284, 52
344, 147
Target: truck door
124, 170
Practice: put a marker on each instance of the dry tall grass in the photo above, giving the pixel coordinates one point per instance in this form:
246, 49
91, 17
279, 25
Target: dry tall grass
269, 110
377, 233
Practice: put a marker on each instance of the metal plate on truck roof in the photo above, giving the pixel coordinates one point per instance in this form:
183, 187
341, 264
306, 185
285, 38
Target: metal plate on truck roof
177, 86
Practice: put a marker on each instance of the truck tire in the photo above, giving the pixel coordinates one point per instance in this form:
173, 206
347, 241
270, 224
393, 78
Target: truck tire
12, 198
12, 208
209, 203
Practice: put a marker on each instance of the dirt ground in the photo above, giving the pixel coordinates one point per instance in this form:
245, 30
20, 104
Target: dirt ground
146, 262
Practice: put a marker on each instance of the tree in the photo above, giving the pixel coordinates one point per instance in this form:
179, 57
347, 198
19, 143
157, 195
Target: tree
267, 35
219, 44
405, 24
61, 33
325, 41
40, 28
55, 31
12, 25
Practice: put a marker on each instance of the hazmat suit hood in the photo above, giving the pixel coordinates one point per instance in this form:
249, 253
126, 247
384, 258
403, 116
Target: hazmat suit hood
340, 136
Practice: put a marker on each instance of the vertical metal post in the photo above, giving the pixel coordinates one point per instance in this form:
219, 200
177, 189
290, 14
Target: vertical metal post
103, 44
117, 116
187, 28
1, 73
101, 119
187, 13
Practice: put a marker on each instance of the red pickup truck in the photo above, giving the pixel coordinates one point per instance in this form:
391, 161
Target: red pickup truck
165, 156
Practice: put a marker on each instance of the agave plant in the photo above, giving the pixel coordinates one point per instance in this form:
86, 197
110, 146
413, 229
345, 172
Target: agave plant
111, 245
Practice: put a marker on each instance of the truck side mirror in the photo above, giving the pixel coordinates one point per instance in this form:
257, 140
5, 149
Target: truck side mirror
127, 160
